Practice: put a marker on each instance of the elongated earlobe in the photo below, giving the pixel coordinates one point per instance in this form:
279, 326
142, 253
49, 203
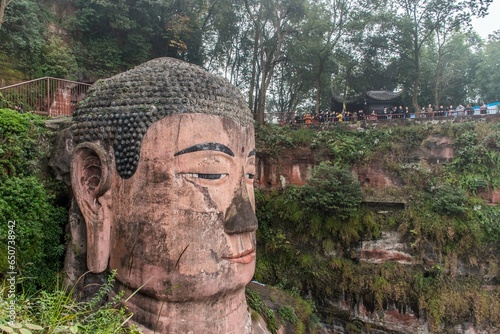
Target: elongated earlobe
90, 180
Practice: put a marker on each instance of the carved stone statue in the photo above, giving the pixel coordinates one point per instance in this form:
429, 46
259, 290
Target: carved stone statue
162, 171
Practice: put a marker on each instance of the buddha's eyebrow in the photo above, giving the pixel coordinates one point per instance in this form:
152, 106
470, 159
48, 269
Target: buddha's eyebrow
206, 147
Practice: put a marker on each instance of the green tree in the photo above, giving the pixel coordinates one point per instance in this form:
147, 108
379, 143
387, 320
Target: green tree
448, 71
367, 58
273, 22
488, 73
114, 35
332, 191
3, 6
23, 33
327, 23
418, 21
227, 43
57, 60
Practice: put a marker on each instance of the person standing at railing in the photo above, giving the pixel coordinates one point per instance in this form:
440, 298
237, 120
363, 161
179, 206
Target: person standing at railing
321, 117
19, 108
483, 109
468, 110
430, 111
400, 111
441, 111
339, 117
361, 115
385, 113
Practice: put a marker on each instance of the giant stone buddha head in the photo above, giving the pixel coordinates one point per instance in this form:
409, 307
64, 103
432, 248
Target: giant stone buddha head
162, 172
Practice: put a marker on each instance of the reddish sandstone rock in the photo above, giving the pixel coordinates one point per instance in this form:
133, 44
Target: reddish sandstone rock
387, 248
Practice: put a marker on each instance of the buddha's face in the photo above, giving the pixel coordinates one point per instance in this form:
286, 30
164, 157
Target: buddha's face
185, 222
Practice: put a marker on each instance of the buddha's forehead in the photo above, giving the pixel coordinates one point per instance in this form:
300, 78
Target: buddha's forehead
181, 131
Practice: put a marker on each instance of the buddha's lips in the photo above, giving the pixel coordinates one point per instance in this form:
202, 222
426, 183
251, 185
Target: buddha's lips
245, 257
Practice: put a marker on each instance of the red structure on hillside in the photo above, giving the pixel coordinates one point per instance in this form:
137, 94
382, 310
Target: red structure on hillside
45, 96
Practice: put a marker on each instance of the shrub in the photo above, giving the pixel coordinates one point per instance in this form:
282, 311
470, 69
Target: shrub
38, 229
20, 139
24, 200
332, 191
58, 312
448, 200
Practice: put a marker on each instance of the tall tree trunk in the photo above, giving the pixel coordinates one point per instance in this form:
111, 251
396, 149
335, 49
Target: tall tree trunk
3, 5
318, 84
416, 83
437, 81
261, 105
251, 90
265, 79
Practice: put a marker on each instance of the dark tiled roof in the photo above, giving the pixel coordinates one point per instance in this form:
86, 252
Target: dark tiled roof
342, 99
382, 95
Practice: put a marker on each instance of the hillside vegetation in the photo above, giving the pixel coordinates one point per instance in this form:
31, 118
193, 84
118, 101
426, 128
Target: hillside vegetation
309, 237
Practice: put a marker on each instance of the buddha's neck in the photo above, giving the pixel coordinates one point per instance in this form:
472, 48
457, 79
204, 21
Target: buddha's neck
225, 315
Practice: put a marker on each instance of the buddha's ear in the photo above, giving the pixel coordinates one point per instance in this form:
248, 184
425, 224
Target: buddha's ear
91, 179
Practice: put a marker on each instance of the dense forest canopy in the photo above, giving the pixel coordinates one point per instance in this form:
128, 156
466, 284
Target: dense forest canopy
287, 56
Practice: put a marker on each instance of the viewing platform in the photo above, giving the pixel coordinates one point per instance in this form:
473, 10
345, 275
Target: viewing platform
45, 96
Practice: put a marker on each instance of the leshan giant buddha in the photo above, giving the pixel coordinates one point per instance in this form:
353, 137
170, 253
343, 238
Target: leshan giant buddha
162, 171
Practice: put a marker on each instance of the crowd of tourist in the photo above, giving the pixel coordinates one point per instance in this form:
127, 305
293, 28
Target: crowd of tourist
394, 112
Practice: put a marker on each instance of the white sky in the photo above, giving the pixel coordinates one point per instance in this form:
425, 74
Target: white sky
488, 24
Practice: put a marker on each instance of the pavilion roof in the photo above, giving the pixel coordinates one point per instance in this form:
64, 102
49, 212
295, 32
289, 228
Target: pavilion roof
383, 95
343, 99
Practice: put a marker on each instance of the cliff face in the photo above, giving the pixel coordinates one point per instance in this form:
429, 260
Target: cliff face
388, 192
292, 165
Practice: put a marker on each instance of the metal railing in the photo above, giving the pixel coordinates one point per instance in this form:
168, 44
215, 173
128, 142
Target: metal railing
45, 96
288, 118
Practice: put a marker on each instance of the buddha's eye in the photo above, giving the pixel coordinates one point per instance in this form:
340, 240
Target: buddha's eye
250, 176
206, 176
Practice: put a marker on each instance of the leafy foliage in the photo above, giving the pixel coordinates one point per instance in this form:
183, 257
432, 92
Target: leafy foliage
38, 229
26, 201
488, 69
256, 303
58, 312
477, 156
57, 60
23, 33
278, 307
449, 201
20, 137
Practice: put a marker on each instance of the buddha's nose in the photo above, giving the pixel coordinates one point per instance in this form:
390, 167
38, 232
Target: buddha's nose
240, 217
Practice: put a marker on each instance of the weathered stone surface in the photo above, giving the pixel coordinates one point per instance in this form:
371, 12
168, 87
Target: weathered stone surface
394, 319
62, 146
292, 167
387, 248
375, 176
491, 196
437, 149
391, 247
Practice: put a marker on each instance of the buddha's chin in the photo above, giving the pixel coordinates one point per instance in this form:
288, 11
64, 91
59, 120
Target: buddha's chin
199, 287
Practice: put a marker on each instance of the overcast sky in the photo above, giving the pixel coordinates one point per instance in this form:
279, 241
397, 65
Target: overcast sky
490, 22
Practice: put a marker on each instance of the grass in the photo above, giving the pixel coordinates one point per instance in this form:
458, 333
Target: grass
58, 312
